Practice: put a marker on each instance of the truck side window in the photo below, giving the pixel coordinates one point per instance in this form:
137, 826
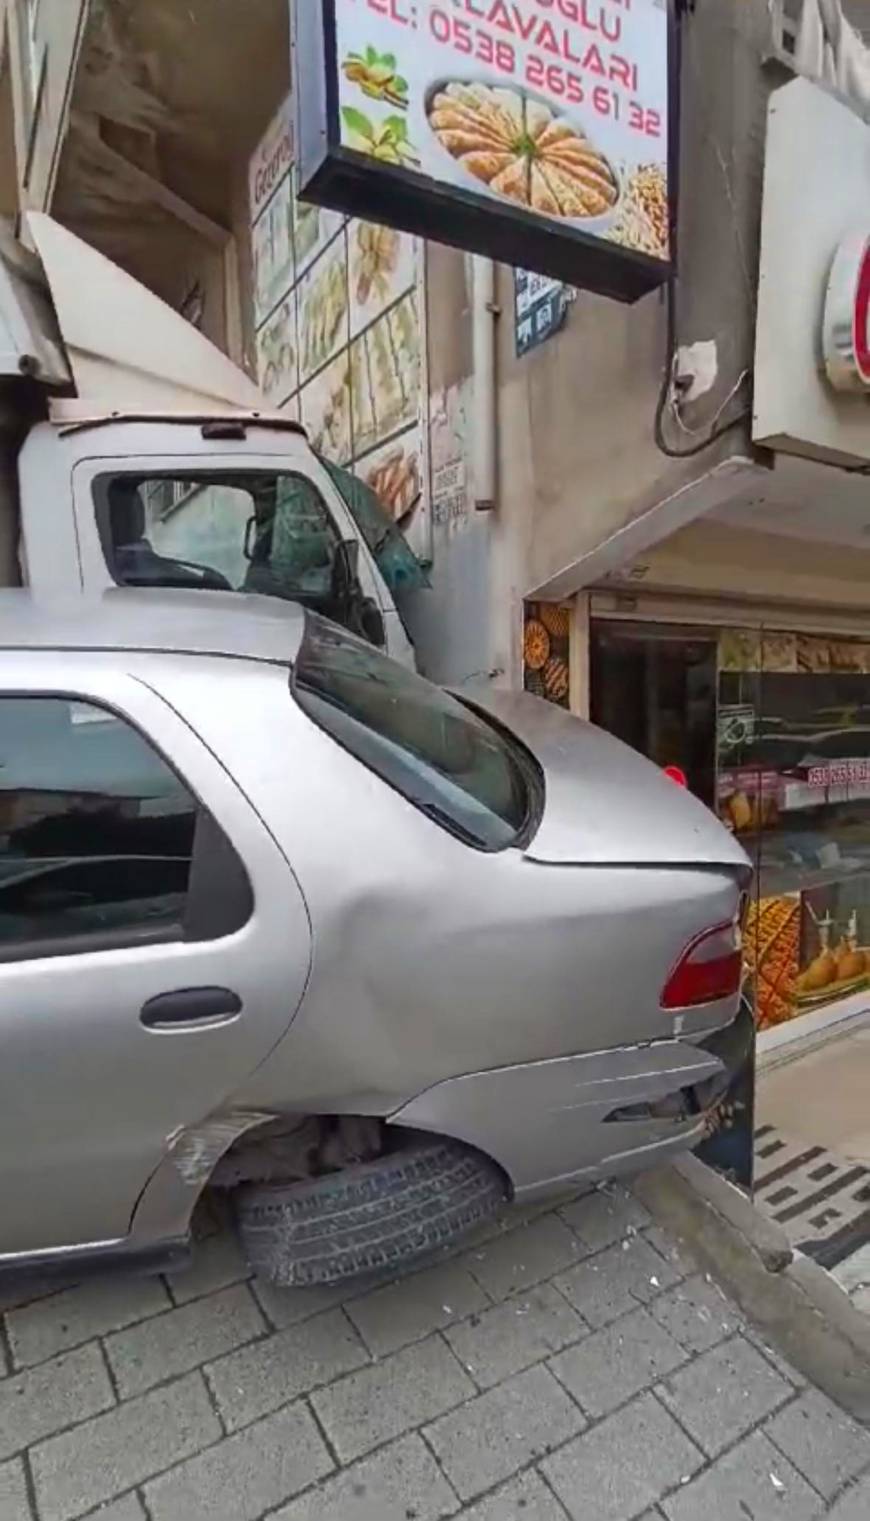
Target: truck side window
252, 531
101, 843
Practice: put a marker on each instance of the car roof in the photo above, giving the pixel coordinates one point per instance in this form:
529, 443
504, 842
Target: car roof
234, 624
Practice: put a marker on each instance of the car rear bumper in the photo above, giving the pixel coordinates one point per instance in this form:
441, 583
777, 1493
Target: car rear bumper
552, 1124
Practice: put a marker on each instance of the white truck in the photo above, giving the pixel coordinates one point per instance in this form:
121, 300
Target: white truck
134, 452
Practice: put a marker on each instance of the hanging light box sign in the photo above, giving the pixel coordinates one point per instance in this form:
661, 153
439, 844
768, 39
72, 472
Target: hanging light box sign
533, 131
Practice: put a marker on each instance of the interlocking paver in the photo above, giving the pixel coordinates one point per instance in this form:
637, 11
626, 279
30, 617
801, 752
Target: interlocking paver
724, 1393
503, 1430
18, 1290
382, 1402
181, 1340
130, 1508
754, 1481
14, 1504
524, 1499
696, 1314
854, 1503
401, 1481
46, 1399
616, 1280
823, 1443
218, 1261
624, 1465
511, 1336
614, 1364
104, 1457
246, 1474
785, 1369
391, 1317
72, 1317
261, 1378
518, 1259
605, 1216
284, 1308
571, 1365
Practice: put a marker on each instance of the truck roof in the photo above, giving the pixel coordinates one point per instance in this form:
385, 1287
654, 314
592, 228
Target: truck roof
235, 625
73, 318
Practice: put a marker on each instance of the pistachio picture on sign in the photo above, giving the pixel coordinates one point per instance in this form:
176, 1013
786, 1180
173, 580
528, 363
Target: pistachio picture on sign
377, 76
386, 141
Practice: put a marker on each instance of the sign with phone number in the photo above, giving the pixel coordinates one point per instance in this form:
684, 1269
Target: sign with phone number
839, 773
537, 130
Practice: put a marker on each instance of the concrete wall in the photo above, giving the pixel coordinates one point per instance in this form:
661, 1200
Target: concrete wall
43, 67
714, 559
578, 459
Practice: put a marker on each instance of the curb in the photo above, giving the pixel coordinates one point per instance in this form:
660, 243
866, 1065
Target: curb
803, 1310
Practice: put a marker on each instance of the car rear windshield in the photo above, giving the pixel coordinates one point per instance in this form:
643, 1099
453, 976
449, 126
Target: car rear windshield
456, 768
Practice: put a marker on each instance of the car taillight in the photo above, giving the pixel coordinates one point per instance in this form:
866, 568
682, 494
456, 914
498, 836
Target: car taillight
710, 968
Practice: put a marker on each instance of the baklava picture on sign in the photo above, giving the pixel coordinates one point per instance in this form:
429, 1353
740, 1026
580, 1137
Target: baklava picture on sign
523, 150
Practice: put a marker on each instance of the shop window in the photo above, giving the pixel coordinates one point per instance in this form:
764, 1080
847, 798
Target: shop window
546, 651
794, 785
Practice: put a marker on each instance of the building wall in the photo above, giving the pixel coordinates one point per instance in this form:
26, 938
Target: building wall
577, 456
714, 559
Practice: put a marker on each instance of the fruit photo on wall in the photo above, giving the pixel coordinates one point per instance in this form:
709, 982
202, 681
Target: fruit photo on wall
546, 651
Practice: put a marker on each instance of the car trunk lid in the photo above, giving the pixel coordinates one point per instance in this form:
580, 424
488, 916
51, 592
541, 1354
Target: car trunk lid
603, 802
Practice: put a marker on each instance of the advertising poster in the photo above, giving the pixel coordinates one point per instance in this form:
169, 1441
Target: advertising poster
382, 268
326, 405
272, 251
323, 309
338, 333
558, 112
277, 349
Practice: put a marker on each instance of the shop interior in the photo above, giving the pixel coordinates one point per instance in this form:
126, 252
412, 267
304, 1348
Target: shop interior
772, 729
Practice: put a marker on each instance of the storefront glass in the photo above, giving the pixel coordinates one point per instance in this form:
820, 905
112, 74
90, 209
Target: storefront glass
793, 782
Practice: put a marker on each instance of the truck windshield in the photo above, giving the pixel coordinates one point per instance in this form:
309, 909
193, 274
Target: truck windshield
452, 765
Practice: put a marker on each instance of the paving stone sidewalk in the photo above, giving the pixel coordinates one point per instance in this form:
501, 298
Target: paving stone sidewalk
570, 1364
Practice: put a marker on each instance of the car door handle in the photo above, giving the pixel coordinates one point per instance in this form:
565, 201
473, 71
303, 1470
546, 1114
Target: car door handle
189, 1006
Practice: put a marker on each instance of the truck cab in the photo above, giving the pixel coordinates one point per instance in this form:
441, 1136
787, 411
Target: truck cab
144, 458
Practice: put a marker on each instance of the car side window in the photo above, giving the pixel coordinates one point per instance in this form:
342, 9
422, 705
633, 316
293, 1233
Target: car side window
101, 843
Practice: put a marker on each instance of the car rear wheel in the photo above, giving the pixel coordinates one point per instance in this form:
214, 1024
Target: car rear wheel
371, 1217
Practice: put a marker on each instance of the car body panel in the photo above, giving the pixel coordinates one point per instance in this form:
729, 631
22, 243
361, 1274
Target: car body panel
604, 802
389, 969
432, 959
89, 1099
554, 1124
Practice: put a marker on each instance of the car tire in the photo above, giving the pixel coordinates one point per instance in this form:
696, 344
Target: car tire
371, 1218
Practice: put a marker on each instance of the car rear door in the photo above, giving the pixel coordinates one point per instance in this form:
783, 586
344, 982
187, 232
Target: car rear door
154, 944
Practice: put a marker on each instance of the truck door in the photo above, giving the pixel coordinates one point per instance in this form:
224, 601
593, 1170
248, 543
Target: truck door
230, 525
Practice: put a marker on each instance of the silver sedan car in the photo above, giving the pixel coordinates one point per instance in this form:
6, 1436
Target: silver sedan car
279, 917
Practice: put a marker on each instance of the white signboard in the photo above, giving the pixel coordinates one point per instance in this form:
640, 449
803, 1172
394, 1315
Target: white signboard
552, 118
812, 359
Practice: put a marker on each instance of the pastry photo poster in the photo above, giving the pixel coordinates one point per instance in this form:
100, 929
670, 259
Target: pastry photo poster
558, 109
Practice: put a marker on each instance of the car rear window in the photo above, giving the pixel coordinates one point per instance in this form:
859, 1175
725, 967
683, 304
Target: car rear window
450, 763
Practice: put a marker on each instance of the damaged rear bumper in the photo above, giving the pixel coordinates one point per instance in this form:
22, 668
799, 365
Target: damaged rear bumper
555, 1123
